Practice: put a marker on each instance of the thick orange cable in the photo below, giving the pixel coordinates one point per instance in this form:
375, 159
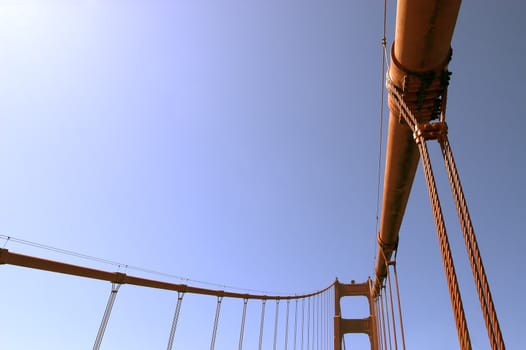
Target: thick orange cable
7, 257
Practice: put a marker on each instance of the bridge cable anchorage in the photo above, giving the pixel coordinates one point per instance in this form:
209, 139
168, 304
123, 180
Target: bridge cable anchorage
264, 301
107, 312
243, 318
438, 131
180, 296
216, 322
420, 134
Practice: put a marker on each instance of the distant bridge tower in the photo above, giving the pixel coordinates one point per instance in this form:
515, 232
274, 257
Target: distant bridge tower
343, 326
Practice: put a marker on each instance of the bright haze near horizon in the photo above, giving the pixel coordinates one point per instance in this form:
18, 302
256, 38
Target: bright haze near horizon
237, 143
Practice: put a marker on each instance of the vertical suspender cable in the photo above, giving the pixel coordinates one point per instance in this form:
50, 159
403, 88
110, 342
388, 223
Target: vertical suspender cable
395, 340
378, 322
302, 321
276, 325
107, 312
295, 323
445, 249
216, 322
477, 267
261, 325
447, 258
326, 317
315, 322
287, 326
243, 317
308, 323
329, 318
175, 319
320, 320
387, 318
399, 304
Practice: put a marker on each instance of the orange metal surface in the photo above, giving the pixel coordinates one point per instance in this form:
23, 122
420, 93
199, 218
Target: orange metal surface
7, 257
424, 30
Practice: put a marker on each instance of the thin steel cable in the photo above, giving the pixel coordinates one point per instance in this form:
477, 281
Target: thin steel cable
382, 109
324, 318
180, 296
447, 259
399, 305
287, 325
395, 340
328, 315
107, 312
302, 321
262, 324
243, 318
129, 267
381, 328
308, 323
317, 319
295, 323
477, 266
216, 322
387, 319
276, 317
6, 241
381, 339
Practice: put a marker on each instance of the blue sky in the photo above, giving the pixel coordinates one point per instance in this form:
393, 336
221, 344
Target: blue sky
236, 142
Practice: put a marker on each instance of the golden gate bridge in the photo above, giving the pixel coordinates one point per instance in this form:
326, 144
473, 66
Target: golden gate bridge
416, 81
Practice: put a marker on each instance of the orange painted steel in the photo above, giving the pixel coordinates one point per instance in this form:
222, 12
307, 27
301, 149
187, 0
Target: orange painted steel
366, 325
420, 53
7, 257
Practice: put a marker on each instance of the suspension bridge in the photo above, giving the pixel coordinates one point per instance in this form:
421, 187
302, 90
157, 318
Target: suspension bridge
417, 80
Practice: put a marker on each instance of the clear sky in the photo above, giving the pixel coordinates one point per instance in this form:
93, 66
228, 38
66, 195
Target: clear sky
237, 142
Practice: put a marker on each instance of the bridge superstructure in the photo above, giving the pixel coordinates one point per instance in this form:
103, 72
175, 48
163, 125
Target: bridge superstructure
417, 81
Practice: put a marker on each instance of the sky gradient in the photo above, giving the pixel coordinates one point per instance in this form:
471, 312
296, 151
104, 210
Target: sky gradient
237, 142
